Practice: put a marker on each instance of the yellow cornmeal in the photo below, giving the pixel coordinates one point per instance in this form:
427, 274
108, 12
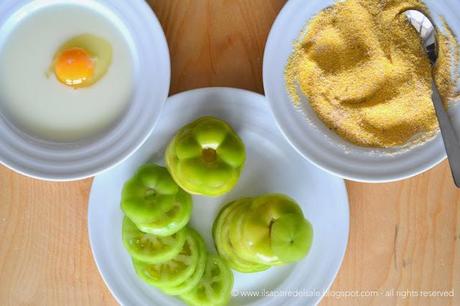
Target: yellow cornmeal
365, 73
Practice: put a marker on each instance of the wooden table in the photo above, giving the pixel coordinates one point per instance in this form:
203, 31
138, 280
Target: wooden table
404, 236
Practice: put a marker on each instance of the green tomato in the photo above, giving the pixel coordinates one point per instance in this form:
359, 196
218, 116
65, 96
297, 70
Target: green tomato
151, 248
222, 242
193, 280
172, 220
256, 227
255, 249
291, 237
214, 287
154, 202
206, 157
174, 271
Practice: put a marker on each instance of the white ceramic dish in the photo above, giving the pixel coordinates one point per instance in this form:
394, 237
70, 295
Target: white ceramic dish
69, 161
309, 135
272, 166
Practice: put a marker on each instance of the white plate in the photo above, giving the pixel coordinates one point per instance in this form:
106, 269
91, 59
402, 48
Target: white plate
272, 166
58, 161
316, 142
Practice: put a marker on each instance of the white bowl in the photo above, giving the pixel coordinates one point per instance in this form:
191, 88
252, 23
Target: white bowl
310, 136
70, 161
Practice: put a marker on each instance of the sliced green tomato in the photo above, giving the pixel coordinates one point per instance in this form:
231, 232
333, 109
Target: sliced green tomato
149, 194
140, 207
173, 220
214, 287
255, 247
291, 237
223, 245
255, 229
157, 178
148, 247
191, 282
174, 271
274, 205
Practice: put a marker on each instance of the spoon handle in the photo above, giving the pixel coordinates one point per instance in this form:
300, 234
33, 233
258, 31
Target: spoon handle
451, 141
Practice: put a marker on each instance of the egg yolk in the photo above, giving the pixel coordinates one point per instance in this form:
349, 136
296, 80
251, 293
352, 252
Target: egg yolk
74, 67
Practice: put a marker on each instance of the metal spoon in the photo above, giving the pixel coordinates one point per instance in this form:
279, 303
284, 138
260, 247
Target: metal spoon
427, 31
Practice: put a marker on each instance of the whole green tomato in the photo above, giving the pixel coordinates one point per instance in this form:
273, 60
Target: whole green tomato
206, 157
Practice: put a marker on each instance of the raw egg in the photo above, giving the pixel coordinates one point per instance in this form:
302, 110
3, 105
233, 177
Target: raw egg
82, 61
73, 80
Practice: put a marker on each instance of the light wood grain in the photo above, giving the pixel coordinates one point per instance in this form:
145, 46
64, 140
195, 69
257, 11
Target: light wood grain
45, 257
403, 235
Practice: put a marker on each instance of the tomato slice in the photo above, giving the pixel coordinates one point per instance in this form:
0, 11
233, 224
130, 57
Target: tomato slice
148, 247
191, 282
254, 230
172, 272
223, 245
255, 247
172, 220
149, 194
214, 287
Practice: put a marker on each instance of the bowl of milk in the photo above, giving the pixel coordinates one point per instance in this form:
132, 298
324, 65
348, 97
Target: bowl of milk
82, 84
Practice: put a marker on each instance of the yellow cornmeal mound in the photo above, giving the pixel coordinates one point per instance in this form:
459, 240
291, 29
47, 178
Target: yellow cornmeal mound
364, 70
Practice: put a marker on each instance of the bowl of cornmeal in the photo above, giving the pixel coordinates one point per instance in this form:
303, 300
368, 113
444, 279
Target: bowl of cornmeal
350, 84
